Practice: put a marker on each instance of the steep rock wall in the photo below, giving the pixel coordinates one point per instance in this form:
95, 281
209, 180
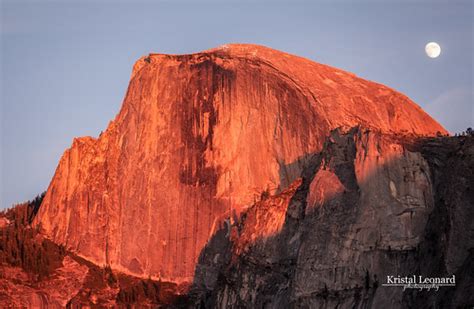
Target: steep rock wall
370, 205
199, 137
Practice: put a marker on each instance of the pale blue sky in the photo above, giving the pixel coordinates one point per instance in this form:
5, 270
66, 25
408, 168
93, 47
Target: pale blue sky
66, 64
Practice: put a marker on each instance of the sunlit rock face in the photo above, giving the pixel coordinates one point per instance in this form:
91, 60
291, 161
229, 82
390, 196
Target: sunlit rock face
198, 139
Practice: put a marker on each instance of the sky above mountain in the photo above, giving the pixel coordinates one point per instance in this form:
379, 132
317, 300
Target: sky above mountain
66, 65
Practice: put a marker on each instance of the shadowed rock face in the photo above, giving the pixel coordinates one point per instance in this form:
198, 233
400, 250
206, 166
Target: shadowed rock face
199, 137
368, 206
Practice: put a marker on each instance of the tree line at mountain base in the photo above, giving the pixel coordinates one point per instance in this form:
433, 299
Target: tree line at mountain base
21, 245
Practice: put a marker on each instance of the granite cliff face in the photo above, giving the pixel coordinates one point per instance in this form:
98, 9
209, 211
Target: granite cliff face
201, 137
368, 206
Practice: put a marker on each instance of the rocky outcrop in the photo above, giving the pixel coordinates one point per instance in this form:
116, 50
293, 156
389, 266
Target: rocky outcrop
36, 273
81, 284
20, 291
199, 138
369, 205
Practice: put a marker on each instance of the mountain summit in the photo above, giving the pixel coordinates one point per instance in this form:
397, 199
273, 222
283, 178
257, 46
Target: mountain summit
200, 138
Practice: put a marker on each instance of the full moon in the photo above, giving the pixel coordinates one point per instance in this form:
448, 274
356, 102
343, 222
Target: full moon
433, 49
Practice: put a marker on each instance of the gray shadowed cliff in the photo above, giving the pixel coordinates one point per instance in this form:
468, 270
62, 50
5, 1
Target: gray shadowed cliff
367, 206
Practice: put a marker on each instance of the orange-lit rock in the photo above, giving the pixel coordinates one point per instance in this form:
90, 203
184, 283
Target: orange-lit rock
263, 220
200, 137
18, 290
